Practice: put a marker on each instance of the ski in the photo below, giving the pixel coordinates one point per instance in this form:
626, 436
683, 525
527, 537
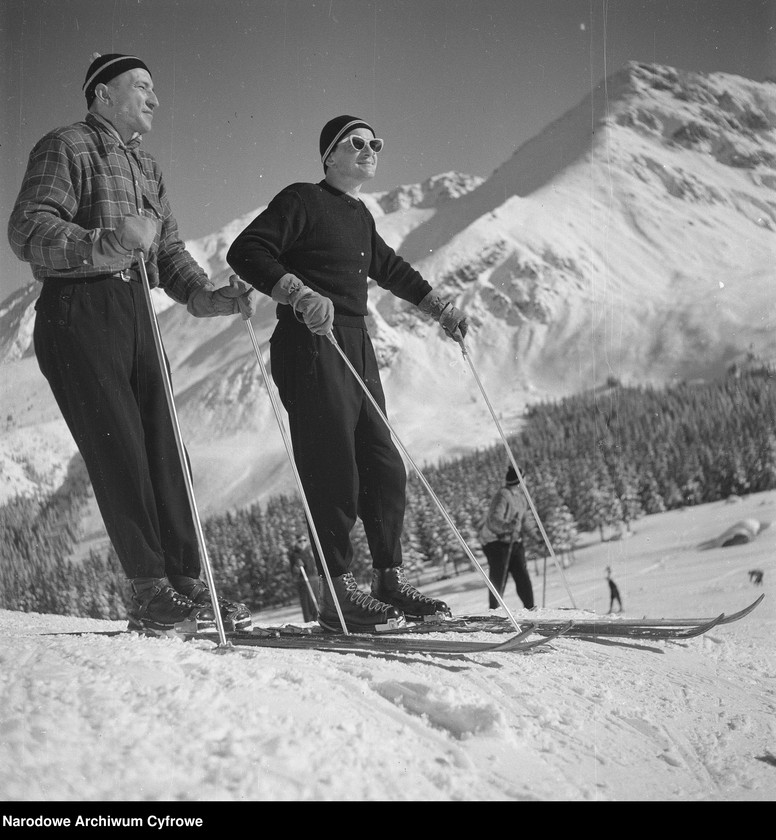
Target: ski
499, 625
316, 639
643, 632
294, 636
647, 627
392, 642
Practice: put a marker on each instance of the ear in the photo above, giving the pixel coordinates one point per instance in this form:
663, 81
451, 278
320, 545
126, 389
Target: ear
102, 93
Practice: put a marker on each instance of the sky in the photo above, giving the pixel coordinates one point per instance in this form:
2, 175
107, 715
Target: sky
245, 86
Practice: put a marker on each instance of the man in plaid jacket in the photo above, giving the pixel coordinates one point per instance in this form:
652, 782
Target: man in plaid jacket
92, 203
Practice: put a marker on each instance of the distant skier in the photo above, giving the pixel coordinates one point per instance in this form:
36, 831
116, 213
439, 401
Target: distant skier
501, 536
756, 577
614, 592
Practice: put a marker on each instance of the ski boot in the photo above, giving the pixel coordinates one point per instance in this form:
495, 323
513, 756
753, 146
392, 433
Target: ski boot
158, 610
392, 587
235, 616
362, 612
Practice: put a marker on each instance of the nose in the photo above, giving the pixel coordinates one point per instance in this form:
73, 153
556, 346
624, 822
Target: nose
153, 100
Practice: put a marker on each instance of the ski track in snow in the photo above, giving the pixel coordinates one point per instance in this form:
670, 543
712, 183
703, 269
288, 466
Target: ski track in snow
125, 718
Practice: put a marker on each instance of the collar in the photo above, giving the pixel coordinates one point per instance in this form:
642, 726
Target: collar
109, 137
334, 191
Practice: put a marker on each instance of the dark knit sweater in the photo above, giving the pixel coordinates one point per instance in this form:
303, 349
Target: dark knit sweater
329, 241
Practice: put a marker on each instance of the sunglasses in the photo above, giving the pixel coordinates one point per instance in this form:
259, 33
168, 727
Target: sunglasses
360, 143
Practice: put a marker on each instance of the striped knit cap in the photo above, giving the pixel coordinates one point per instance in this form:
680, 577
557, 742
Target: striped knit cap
106, 67
335, 130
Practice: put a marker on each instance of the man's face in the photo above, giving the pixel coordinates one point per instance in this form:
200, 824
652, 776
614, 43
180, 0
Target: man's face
132, 102
360, 166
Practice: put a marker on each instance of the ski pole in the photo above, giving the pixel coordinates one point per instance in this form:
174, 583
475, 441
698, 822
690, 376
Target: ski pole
425, 483
517, 470
505, 576
306, 580
187, 479
297, 477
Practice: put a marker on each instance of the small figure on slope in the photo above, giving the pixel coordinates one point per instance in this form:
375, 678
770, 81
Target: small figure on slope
614, 592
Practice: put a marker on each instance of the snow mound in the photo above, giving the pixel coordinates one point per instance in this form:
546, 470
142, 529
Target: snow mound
742, 532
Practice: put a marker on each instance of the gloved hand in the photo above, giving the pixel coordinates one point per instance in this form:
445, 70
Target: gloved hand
136, 233
238, 296
246, 297
451, 319
153, 273
316, 311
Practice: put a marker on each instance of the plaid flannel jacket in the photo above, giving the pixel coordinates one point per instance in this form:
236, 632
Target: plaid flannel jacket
81, 180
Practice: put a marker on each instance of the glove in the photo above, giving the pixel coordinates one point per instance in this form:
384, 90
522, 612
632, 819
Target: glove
238, 296
316, 311
246, 297
452, 320
136, 233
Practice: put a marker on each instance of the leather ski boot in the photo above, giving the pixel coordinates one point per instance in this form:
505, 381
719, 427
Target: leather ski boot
235, 616
392, 587
360, 610
158, 610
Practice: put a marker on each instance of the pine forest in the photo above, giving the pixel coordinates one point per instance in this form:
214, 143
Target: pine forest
595, 462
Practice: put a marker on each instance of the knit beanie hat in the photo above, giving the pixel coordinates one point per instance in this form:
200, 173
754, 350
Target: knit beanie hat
512, 476
335, 130
106, 67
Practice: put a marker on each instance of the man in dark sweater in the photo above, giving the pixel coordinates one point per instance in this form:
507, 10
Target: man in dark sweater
312, 250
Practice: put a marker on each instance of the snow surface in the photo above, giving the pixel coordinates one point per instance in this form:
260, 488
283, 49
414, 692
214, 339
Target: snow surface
88, 719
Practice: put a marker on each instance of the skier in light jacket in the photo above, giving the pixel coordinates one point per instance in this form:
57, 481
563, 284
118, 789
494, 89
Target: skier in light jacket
501, 536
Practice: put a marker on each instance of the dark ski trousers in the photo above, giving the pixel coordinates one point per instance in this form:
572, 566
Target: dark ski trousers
501, 563
94, 345
347, 462
614, 595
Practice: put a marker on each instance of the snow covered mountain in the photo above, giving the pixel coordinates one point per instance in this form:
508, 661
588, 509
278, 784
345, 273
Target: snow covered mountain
634, 238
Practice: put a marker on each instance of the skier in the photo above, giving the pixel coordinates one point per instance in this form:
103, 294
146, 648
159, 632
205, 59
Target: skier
305, 575
89, 201
614, 592
312, 250
501, 536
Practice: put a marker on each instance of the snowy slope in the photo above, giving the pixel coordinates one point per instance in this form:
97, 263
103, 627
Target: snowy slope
133, 719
